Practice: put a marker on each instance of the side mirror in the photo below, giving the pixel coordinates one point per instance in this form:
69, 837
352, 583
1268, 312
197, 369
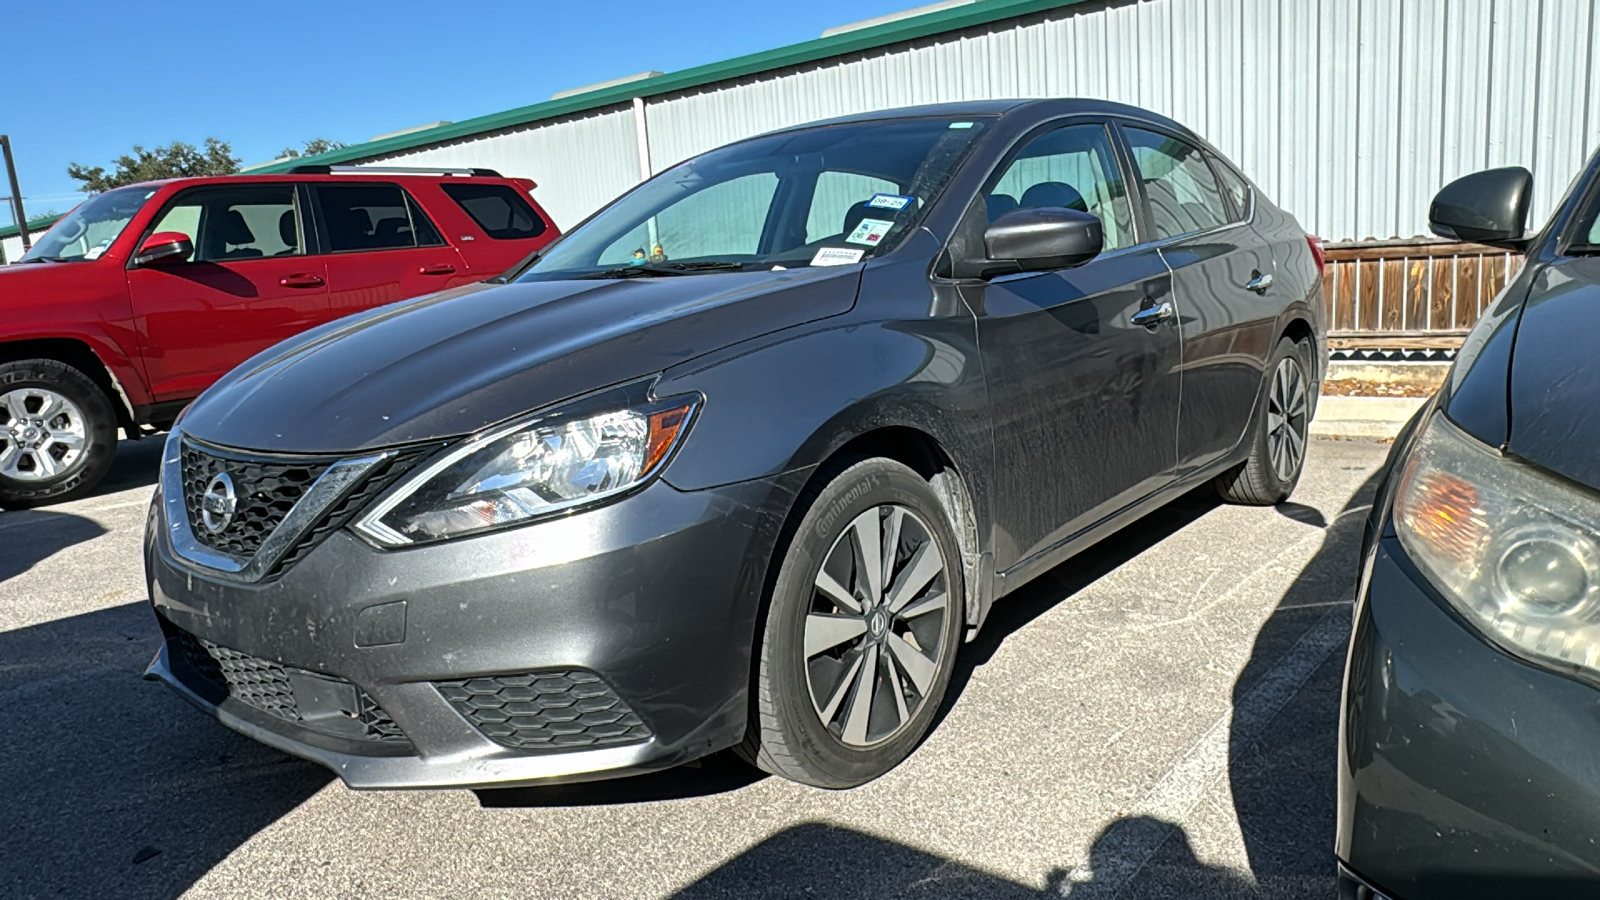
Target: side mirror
1489, 207
1043, 238
164, 247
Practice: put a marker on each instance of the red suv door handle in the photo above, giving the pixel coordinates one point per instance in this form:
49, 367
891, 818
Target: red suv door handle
440, 269
305, 280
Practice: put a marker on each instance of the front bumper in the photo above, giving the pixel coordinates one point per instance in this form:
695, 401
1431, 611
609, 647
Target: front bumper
654, 598
1463, 771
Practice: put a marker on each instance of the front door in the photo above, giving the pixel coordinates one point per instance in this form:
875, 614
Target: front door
382, 247
1084, 395
248, 285
1222, 273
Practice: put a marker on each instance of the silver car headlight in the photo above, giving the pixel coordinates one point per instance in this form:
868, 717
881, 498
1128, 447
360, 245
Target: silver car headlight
1511, 546
551, 463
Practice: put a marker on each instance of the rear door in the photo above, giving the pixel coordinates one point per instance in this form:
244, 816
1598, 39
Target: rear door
249, 285
1222, 273
1083, 394
381, 247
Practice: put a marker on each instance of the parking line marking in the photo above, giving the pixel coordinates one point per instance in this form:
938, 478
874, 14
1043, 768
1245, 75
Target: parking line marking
1128, 845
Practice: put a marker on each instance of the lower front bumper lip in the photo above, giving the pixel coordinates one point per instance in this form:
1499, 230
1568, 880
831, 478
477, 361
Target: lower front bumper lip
377, 772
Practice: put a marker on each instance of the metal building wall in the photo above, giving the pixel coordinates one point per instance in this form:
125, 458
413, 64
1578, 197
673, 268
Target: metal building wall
1350, 113
579, 163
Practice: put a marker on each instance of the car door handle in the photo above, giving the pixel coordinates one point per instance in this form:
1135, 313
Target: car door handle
302, 280
1152, 316
440, 269
1259, 282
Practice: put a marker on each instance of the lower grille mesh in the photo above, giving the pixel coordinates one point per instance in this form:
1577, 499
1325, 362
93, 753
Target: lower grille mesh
265, 685
563, 709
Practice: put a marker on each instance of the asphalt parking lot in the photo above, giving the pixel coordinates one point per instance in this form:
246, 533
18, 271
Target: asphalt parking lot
1155, 719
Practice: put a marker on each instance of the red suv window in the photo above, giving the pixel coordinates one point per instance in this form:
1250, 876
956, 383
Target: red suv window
500, 211
373, 217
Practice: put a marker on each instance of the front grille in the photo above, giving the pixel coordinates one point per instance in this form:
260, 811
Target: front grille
266, 489
266, 686
565, 709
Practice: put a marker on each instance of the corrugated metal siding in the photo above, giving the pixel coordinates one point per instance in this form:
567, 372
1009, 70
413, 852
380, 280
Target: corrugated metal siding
580, 163
1350, 113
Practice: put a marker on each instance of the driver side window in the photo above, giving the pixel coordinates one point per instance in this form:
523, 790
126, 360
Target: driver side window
1072, 167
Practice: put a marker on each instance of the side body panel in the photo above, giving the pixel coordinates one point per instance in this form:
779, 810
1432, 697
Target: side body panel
1083, 402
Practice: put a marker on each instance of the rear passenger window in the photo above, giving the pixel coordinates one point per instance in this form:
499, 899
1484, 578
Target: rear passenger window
499, 210
1238, 190
229, 224
373, 217
1183, 193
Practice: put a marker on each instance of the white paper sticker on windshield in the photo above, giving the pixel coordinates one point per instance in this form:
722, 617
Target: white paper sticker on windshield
869, 232
837, 256
93, 252
889, 201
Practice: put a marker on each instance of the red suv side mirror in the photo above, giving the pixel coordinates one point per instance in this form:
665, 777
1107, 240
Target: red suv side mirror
164, 247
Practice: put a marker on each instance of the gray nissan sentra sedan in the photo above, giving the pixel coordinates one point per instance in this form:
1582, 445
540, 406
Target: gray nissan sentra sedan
739, 462
1469, 752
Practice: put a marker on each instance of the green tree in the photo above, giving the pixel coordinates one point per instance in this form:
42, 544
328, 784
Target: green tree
176, 160
313, 147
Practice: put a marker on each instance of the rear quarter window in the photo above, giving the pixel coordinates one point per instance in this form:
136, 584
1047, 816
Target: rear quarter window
500, 210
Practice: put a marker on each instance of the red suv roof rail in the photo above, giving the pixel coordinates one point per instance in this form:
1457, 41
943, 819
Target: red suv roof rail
310, 169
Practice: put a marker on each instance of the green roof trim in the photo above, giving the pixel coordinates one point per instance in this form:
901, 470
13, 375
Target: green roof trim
874, 37
34, 225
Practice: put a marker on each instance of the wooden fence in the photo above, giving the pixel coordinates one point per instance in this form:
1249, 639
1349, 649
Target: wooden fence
1417, 294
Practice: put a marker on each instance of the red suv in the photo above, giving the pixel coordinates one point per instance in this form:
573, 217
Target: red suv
141, 297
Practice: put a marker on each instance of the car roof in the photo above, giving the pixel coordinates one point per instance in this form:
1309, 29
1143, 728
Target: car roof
1039, 106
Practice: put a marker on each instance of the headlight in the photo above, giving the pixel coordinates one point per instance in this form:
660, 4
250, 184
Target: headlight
1512, 547
530, 469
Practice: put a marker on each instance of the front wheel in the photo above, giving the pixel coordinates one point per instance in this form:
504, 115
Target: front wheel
57, 433
861, 636
1279, 439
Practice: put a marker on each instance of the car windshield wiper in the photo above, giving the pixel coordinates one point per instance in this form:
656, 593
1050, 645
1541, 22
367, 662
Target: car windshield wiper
657, 270
39, 259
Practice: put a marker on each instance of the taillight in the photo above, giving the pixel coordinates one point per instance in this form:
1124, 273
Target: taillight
1316, 253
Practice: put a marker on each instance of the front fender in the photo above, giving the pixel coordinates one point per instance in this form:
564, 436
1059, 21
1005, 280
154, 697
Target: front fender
793, 403
126, 376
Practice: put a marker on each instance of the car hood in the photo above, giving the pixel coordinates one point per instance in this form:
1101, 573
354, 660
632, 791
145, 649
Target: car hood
1555, 372
451, 363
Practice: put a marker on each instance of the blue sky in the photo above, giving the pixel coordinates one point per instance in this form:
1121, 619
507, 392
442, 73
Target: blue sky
89, 80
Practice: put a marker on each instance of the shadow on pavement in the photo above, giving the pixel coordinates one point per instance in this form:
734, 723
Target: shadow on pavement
1284, 776
112, 786
137, 465
820, 860
718, 773
31, 536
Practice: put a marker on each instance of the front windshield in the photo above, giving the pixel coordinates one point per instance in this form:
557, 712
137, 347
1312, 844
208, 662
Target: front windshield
829, 195
87, 231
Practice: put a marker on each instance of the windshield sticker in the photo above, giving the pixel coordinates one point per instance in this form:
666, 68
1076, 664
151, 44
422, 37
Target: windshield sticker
93, 252
869, 232
837, 256
960, 124
889, 201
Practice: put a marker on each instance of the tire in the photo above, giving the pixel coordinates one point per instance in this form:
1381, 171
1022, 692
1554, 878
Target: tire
839, 742
57, 433
1269, 476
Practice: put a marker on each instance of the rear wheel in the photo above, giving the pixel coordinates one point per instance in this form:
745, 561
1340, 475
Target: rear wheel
57, 433
1278, 443
861, 636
